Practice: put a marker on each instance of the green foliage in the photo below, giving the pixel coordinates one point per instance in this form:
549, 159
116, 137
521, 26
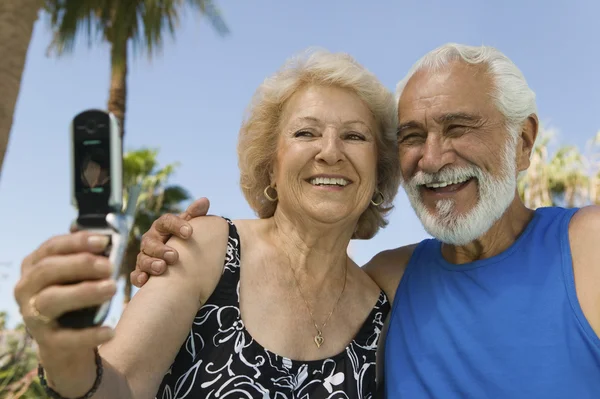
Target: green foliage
144, 22
567, 178
18, 358
18, 363
156, 198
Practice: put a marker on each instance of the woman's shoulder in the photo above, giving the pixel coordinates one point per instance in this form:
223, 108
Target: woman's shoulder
202, 255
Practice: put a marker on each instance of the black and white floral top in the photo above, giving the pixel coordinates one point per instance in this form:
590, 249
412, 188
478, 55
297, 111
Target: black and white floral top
219, 358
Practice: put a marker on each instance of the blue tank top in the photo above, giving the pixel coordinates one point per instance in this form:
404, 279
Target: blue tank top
504, 327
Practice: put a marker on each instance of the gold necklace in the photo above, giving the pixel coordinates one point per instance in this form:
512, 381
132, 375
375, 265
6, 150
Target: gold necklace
319, 339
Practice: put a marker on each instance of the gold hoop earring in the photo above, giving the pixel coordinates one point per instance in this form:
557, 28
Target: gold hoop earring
380, 198
266, 192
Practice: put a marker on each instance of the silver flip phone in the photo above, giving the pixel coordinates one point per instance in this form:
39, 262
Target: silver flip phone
97, 194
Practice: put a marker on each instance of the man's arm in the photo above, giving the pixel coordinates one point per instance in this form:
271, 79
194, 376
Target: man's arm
584, 237
387, 268
159, 317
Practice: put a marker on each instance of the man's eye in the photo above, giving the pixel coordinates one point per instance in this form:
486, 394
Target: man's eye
410, 138
456, 129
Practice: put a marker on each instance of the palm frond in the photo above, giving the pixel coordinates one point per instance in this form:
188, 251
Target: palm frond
144, 22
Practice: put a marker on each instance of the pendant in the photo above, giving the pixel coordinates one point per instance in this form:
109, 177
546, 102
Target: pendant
319, 339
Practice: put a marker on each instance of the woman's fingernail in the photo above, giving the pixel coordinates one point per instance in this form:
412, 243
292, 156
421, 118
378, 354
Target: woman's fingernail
97, 243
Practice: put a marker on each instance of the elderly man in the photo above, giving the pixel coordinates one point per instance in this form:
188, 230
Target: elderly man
504, 301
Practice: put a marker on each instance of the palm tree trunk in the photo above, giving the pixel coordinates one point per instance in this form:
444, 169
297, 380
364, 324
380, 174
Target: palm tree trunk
117, 100
133, 248
118, 82
17, 18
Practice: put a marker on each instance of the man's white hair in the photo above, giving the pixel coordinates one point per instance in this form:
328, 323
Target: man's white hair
512, 95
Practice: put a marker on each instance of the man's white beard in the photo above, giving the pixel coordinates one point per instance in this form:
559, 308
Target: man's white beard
495, 195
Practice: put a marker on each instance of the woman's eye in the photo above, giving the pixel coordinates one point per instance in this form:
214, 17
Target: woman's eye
303, 133
355, 136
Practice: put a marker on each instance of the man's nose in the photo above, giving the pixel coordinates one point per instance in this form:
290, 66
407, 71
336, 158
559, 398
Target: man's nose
435, 155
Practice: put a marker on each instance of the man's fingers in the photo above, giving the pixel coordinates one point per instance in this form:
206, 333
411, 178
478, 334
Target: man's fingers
152, 265
138, 278
157, 249
169, 224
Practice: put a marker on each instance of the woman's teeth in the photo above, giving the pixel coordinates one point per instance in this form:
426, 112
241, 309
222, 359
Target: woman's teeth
329, 181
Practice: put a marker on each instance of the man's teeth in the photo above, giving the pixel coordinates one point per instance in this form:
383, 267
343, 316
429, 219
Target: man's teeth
446, 183
328, 181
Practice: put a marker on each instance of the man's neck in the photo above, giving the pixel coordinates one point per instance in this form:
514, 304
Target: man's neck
498, 238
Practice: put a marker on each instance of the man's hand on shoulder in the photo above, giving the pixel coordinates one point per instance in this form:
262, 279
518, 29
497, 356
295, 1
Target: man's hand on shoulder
155, 256
387, 268
584, 237
202, 254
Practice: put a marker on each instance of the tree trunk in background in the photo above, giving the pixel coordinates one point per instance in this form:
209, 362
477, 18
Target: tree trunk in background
117, 98
17, 18
133, 248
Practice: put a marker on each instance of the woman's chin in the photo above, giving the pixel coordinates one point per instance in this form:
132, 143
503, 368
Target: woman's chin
332, 213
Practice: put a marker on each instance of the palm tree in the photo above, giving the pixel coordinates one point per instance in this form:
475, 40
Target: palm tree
568, 179
593, 158
569, 182
534, 184
17, 18
118, 22
141, 168
18, 354
141, 22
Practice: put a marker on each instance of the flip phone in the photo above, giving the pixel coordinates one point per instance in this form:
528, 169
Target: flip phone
97, 194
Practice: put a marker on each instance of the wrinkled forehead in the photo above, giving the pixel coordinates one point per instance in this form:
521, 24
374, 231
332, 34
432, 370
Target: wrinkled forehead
458, 88
319, 104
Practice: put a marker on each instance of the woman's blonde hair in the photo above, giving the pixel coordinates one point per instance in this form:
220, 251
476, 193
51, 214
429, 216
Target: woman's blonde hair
257, 145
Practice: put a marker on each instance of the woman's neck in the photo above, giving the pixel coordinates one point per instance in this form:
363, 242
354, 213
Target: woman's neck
315, 250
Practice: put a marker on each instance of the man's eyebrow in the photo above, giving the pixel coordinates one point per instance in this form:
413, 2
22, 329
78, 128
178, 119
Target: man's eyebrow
409, 125
457, 116
442, 119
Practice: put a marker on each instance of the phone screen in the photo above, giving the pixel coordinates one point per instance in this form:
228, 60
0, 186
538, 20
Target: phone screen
94, 166
92, 161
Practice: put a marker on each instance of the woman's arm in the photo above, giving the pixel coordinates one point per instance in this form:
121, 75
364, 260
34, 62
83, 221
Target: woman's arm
155, 323
160, 315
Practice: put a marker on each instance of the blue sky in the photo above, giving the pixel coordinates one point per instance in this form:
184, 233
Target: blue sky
190, 99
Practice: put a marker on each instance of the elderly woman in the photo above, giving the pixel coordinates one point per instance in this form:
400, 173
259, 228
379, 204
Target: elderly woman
275, 308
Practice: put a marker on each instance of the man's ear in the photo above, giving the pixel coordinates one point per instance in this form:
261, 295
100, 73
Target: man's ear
527, 137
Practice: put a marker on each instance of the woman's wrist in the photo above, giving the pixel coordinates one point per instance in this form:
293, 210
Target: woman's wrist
72, 376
